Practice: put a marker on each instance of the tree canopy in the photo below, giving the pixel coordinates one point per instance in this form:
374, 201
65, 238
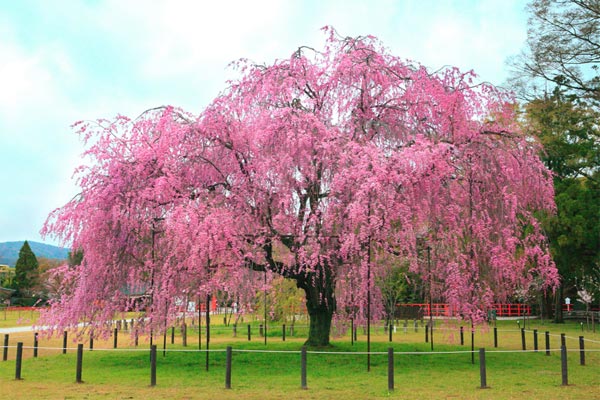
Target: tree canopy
563, 48
26, 271
568, 130
323, 167
558, 75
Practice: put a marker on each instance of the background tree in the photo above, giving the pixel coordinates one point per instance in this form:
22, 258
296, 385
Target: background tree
563, 48
557, 73
568, 130
6, 276
285, 302
47, 285
394, 289
323, 168
26, 271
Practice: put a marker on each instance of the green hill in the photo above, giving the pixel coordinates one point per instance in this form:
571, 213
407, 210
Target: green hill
9, 251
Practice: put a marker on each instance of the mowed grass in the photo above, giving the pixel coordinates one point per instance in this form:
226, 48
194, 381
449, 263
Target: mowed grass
13, 318
447, 374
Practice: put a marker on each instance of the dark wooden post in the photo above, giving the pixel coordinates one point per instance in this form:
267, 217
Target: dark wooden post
303, 368
5, 352
390, 368
249, 332
64, 342
547, 335
472, 344
172, 335
207, 329
35, 345
228, 369
495, 337
563, 364
19, 361
482, 370
153, 365
523, 346
283, 332
462, 336
581, 351
79, 363
115, 338
535, 340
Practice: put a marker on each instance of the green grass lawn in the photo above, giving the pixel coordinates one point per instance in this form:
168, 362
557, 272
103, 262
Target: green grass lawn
125, 374
17, 318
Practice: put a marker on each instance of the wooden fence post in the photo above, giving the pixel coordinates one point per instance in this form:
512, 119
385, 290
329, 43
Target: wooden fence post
79, 363
5, 352
228, 369
153, 365
563, 364
19, 361
482, 370
35, 345
303, 368
390, 369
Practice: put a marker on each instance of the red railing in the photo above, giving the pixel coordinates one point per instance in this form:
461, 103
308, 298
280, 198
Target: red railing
512, 310
444, 310
19, 308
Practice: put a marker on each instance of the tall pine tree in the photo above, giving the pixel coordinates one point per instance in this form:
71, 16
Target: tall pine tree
26, 271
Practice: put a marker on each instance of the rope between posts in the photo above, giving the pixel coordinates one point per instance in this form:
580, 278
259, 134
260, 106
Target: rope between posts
118, 350
308, 352
267, 351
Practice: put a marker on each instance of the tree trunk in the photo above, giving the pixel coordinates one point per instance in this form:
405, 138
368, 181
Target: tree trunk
320, 326
558, 313
320, 304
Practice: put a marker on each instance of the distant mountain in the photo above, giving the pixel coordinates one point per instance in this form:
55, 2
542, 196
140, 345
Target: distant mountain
9, 251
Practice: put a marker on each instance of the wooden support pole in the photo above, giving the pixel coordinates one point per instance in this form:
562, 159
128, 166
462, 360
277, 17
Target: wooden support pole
303, 368
19, 361
228, 369
79, 368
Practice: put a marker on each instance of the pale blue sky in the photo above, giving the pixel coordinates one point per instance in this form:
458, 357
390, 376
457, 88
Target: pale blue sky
62, 61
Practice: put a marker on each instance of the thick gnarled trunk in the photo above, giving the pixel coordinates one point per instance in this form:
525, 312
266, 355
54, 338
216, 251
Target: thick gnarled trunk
320, 304
320, 325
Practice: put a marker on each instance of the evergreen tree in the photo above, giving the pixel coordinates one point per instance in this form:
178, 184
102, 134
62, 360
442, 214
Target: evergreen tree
567, 127
26, 270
